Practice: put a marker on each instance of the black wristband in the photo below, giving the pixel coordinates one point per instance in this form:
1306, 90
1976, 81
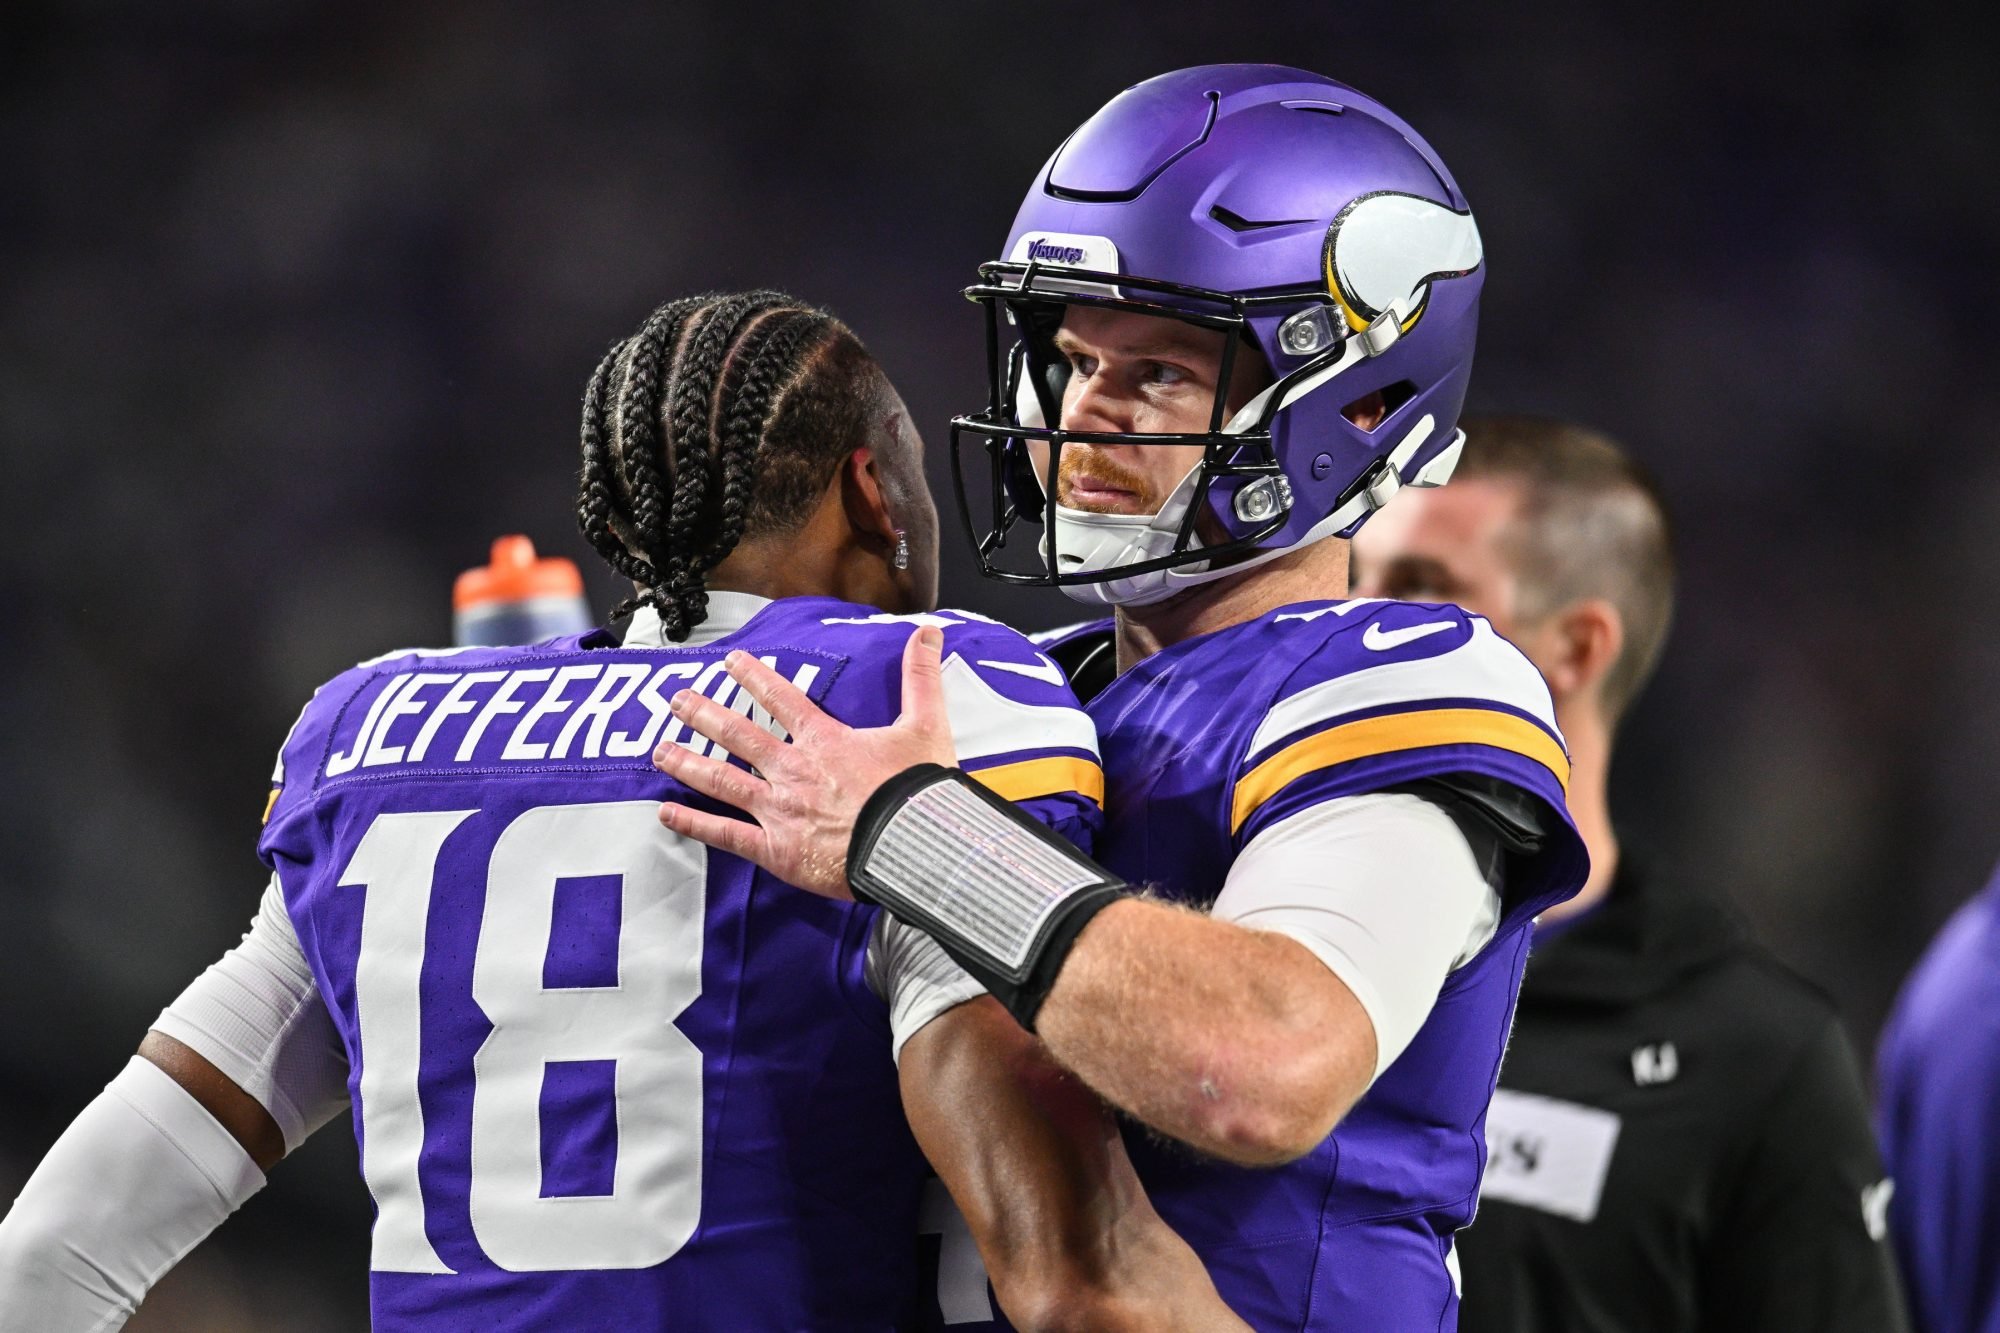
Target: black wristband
1003, 895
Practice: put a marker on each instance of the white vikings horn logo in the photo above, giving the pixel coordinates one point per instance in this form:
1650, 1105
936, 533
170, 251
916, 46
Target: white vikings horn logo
1384, 250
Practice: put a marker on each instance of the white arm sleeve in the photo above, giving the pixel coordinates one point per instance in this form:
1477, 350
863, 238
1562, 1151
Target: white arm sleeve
135, 1182
257, 1016
1383, 889
915, 977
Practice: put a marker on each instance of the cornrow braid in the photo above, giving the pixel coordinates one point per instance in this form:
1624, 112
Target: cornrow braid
723, 417
621, 479
770, 355
691, 398
650, 467
596, 506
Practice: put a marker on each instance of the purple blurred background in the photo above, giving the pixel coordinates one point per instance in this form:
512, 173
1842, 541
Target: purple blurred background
298, 299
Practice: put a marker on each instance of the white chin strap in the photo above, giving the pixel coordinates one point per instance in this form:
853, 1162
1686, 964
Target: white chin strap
1086, 542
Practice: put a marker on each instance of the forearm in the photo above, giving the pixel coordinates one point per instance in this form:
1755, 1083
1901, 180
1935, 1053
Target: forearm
139, 1179
1037, 1166
1236, 1041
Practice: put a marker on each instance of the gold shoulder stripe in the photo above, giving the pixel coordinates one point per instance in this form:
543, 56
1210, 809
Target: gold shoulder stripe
1043, 777
269, 802
1389, 734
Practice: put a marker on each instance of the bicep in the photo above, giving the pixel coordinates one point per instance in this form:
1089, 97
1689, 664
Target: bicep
915, 978
255, 1026
134, 1183
1383, 889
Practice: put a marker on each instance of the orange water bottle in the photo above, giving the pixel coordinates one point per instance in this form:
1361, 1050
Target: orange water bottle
519, 598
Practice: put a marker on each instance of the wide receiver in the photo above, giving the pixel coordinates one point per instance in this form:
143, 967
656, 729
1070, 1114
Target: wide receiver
603, 1079
1236, 315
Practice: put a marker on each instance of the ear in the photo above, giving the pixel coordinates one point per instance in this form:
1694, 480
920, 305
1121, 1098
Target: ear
1368, 411
864, 499
1582, 642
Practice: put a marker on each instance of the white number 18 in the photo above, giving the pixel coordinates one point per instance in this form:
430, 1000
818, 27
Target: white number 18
655, 1198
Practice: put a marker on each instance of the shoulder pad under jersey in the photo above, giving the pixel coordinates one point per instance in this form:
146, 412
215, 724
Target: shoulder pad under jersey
1016, 723
1381, 693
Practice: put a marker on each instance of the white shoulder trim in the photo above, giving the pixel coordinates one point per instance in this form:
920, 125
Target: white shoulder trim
1486, 666
986, 722
1044, 637
278, 768
1337, 609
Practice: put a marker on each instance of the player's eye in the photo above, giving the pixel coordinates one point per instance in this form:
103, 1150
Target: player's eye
1081, 365
1164, 373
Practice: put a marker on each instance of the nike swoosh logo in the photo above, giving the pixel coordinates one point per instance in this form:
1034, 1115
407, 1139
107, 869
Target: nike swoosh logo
1382, 640
1045, 671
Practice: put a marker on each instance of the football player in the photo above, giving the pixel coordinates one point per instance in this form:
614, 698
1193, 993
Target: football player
1938, 1074
601, 1077
1234, 316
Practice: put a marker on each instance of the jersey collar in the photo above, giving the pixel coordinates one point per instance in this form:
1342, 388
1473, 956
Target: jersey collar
727, 613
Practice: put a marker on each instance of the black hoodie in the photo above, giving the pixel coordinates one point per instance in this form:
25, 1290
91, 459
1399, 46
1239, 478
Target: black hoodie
1680, 1140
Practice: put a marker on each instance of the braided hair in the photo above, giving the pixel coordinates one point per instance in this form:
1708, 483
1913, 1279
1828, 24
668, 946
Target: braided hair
723, 417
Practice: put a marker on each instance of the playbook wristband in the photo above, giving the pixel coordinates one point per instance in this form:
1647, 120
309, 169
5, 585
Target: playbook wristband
1001, 893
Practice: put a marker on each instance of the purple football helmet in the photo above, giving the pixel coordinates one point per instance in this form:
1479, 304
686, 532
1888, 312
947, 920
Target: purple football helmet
1272, 204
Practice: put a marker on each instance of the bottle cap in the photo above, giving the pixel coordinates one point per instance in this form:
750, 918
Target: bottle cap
516, 575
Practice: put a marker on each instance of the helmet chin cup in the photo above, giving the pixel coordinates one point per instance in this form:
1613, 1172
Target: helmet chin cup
1085, 543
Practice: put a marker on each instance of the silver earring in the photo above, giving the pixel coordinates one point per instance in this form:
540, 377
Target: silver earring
901, 559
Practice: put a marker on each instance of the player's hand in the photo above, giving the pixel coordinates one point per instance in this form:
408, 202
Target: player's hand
806, 795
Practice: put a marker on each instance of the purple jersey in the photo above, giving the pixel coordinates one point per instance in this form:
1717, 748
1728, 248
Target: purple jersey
603, 1077
1210, 741
1939, 1073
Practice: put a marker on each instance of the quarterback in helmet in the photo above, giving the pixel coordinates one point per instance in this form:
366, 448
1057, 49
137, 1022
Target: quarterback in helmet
1234, 316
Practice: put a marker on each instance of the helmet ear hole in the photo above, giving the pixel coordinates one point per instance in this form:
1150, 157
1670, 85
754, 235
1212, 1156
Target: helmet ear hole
1249, 372
1372, 409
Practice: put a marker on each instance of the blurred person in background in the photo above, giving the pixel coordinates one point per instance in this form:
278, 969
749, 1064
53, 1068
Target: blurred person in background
1938, 1081
1680, 1138
601, 1078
